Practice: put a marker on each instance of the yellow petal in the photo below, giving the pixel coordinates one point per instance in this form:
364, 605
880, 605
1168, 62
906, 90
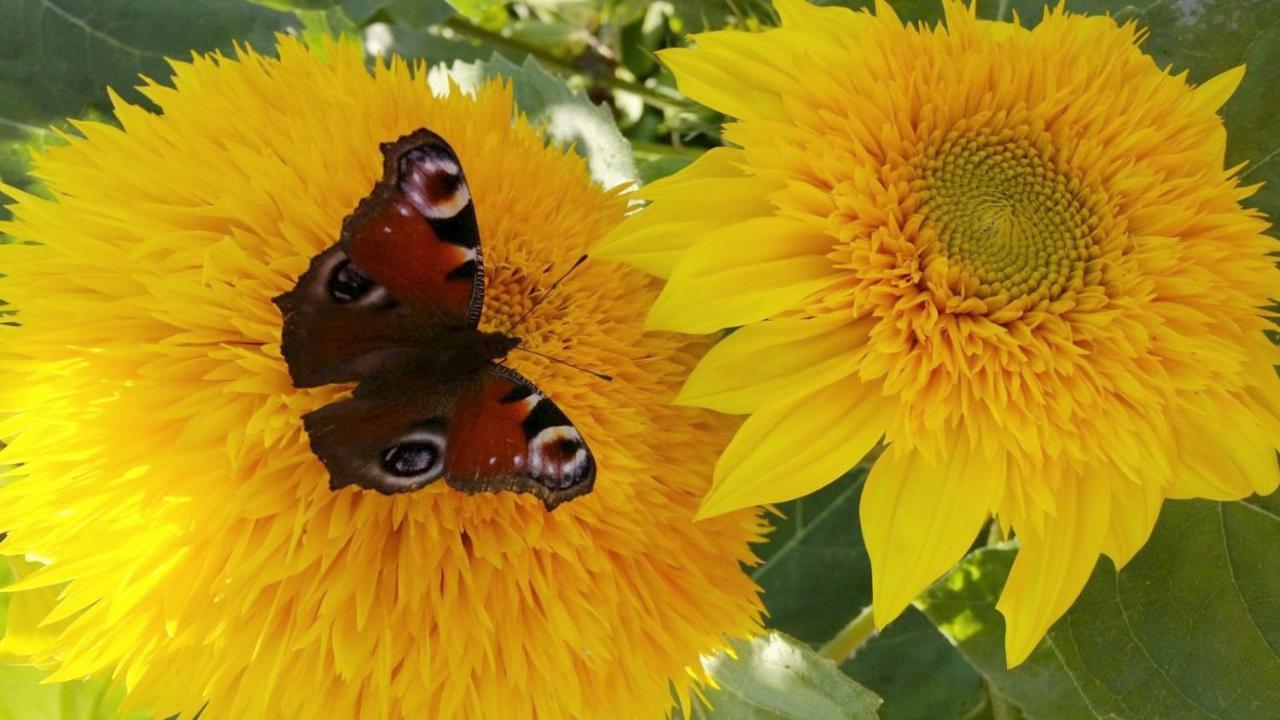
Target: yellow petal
787, 450
734, 72
708, 194
1211, 95
775, 361
833, 24
1227, 457
919, 518
1052, 567
1130, 528
744, 273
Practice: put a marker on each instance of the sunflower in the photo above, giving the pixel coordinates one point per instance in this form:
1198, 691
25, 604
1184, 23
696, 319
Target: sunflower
1013, 256
200, 556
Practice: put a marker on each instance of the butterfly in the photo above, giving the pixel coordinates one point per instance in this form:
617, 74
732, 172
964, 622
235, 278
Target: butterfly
395, 306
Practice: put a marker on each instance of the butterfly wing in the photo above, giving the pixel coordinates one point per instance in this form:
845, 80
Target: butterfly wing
507, 435
407, 265
390, 436
416, 233
395, 305
495, 432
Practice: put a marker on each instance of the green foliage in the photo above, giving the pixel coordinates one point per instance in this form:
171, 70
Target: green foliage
23, 697
775, 677
567, 117
1190, 629
57, 59
817, 577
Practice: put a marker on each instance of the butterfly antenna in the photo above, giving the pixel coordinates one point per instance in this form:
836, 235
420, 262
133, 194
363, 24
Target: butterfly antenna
576, 264
599, 375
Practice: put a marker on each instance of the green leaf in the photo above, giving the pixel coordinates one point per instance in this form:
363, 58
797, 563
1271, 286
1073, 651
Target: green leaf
297, 4
23, 697
815, 571
419, 14
774, 677
962, 605
567, 116
57, 57
1189, 630
491, 14
917, 672
816, 577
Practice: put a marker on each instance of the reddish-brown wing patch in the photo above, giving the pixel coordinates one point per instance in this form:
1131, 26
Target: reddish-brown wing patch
505, 434
416, 233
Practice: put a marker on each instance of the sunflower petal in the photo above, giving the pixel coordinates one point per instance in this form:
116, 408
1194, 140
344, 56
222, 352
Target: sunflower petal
1131, 528
708, 194
1213, 93
774, 361
1052, 567
743, 273
919, 518
787, 450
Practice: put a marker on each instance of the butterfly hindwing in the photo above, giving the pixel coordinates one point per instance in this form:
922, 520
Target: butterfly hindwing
487, 433
390, 436
507, 435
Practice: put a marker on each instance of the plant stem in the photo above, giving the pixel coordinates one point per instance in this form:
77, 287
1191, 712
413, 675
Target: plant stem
652, 148
662, 98
850, 638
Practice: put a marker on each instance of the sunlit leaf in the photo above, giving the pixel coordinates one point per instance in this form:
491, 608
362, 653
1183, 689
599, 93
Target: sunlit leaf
775, 677
567, 116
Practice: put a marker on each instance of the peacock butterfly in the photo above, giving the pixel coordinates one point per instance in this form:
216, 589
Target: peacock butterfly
395, 306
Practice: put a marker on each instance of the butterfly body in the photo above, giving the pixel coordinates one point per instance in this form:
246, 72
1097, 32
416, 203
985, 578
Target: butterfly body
395, 306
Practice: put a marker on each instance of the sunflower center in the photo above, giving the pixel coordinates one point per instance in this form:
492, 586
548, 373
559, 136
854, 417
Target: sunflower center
1007, 220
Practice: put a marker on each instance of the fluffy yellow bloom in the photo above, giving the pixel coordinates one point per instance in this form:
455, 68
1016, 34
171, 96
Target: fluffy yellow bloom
1013, 255
166, 478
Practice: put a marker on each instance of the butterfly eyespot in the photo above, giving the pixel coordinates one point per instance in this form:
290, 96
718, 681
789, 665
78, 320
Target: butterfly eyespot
411, 459
415, 459
347, 283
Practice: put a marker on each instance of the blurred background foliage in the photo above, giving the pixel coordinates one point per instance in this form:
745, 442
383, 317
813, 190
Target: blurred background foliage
1191, 629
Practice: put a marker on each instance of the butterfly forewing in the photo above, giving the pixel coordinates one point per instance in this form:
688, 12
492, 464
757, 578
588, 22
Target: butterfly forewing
417, 233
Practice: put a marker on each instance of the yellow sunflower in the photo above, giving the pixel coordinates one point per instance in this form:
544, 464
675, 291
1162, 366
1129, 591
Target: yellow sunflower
1013, 255
166, 479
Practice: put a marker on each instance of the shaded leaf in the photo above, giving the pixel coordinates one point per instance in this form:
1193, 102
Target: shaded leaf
815, 571
419, 14
1190, 629
58, 58
777, 677
962, 605
917, 672
816, 576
